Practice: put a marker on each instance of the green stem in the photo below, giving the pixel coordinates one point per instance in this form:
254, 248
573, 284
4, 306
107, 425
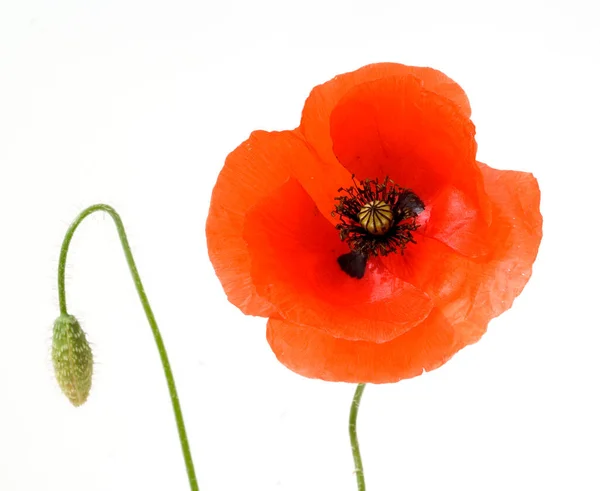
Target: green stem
185, 447
358, 466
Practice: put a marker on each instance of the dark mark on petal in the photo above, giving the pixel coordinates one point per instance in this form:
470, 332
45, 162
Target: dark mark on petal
353, 264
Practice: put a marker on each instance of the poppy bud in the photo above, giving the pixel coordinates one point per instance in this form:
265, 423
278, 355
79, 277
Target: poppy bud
72, 359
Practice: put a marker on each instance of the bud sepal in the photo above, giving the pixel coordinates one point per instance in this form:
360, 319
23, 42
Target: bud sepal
72, 359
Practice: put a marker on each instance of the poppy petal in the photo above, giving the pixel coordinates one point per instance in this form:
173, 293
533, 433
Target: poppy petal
516, 232
295, 252
251, 172
315, 124
456, 220
312, 353
393, 127
472, 291
321, 181
451, 280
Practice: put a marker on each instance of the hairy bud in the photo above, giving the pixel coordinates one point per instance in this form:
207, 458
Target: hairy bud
72, 359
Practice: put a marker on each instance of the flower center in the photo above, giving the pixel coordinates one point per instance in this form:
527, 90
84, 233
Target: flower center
376, 219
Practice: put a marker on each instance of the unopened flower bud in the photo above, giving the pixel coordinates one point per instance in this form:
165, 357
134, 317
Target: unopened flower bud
72, 359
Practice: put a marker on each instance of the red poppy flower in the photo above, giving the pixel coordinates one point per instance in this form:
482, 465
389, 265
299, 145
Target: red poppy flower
370, 236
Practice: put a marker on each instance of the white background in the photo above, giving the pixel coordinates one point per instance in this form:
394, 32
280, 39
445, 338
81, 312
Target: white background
136, 104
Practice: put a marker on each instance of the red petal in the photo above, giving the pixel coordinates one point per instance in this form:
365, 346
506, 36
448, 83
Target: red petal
393, 127
253, 171
313, 353
324, 98
472, 291
451, 280
516, 233
456, 220
294, 254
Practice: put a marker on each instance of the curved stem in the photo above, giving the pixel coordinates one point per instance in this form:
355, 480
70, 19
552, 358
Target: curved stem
358, 466
187, 456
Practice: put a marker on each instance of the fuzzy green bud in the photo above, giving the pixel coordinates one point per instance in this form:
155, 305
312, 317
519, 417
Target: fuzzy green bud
72, 359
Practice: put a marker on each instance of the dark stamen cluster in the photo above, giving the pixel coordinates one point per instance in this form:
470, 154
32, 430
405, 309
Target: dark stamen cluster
404, 204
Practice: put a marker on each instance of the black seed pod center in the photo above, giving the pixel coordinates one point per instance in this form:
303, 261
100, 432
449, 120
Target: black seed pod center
376, 219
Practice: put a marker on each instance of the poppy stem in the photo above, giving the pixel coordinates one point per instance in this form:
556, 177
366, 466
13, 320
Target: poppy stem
358, 466
187, 456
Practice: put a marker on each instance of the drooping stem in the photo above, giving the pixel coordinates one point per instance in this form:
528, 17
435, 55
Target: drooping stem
358, 466
187, 456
